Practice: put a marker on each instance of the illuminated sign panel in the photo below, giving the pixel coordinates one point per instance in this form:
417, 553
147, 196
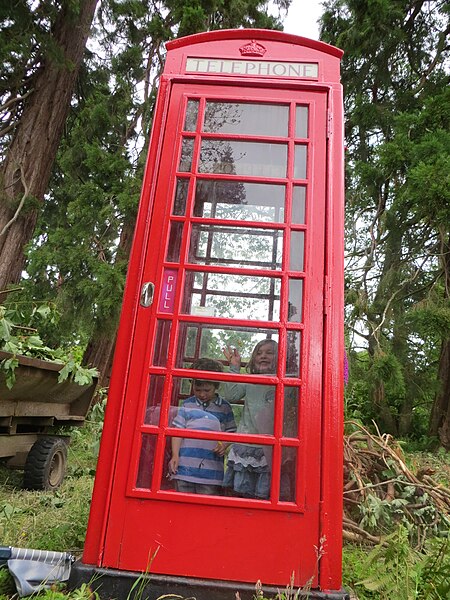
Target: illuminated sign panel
252, 67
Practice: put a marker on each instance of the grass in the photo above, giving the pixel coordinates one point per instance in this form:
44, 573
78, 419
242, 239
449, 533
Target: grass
57, 521
52, 520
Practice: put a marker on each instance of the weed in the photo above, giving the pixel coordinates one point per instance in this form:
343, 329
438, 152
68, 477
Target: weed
396, 570
7, 587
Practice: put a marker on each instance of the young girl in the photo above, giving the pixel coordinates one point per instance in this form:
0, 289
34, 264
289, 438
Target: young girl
249, 465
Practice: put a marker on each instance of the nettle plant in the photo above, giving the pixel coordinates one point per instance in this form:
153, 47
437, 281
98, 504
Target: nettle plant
24, 340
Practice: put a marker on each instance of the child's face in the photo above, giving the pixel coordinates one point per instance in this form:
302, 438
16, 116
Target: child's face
265, 359
204, 390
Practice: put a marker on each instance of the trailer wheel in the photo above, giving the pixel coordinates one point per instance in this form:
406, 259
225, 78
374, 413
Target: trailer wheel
45, 466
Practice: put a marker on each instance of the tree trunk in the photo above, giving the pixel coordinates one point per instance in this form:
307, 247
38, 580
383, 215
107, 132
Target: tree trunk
385, 419
100, 349
440, 413
26, 170
439, 425
99, 353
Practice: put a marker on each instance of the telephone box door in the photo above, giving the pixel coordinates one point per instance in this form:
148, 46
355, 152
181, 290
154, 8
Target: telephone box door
235, 256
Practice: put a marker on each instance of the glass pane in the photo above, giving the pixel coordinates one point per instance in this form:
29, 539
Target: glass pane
297, 251
154, 397
298, 204
146, 462
257, 159
248, 472
175, 236
288, 474
196, 467
300, 162
301, 122
295, 305
240, 201
197, 405
293, 354
190, 123
236, 247
161, 343
246, 119
232, 296
290, 412
181, 193
187, 150
258, 402
202, 340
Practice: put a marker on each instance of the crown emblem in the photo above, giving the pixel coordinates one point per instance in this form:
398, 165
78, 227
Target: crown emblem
252, 49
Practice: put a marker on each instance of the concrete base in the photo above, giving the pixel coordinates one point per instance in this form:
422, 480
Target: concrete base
112, 583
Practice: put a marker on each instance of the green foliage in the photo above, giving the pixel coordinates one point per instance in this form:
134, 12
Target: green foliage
21, 340
395, 570
7, 587
401, 571
79, 254
387, 369
397, 203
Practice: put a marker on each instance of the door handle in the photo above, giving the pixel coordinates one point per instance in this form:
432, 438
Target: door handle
148, 289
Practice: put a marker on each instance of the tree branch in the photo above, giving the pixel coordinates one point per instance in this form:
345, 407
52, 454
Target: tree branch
20, 206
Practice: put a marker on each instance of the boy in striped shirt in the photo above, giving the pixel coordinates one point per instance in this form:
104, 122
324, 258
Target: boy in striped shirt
197, 465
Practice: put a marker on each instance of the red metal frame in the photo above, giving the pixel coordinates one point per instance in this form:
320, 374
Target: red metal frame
120, 511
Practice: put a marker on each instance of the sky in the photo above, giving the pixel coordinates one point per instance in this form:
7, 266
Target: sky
302, 17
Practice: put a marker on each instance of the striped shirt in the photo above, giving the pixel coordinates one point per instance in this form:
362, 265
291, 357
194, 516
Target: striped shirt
198, 462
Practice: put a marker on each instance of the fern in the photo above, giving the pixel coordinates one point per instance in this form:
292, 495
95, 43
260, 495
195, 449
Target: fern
398, 568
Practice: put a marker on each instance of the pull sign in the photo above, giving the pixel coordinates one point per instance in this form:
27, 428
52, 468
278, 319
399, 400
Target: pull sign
168, 288
147, 292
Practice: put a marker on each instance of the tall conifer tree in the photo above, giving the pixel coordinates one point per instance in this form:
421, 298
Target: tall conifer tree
398, 215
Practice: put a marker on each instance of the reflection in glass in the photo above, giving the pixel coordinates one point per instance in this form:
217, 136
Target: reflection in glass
190, 122
146, 462
154, 397
293, 354
187, 150
297, 251
179, 205
241, 201
257, 159
290, 412
301, 122
298, 204
300, 162
161, 346
233, 296
175, 236
246, 119
288, 474
295, 300
200, 340
235, 246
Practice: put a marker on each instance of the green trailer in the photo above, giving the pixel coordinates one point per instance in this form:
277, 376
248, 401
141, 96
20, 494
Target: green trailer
29, 414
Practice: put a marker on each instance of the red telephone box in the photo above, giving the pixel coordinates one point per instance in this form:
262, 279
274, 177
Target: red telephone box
239, 239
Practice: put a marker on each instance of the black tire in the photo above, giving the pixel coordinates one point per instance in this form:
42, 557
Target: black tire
46, 463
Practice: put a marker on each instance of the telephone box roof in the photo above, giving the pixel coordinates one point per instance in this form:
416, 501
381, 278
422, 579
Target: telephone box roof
261, 34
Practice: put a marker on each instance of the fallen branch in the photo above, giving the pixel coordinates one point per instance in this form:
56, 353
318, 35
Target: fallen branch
374, 466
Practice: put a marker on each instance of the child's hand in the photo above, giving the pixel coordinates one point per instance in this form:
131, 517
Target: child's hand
173, 465
221, 448
232, 356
